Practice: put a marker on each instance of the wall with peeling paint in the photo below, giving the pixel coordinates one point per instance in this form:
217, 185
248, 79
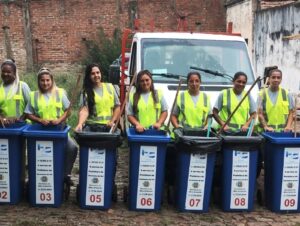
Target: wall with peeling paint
277, 42
242, 18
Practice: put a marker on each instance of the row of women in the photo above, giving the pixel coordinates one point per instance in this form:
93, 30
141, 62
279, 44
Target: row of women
146, 107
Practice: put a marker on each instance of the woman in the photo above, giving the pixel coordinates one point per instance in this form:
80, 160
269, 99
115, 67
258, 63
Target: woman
99, 102
14, 94
147, 107
48, 106
192, 106
277, 106
228, 100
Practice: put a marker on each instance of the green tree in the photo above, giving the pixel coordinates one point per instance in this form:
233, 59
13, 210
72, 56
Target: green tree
103, 51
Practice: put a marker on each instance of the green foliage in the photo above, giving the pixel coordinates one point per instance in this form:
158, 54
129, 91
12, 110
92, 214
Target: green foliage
103, 51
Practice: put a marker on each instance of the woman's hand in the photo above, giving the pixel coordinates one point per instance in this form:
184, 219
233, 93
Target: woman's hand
78, 128
244, 128
287, 129
44, 122
226, 128
139, 128
110, 124
9, 120
55, 122
268, 129
156, 125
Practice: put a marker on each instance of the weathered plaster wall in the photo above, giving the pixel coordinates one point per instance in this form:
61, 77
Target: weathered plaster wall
241, 16
277, 42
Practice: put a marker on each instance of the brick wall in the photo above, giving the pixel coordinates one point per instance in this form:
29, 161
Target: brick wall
59, 27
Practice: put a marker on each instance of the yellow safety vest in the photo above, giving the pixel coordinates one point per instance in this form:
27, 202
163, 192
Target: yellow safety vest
12, 107
229, 103
103, 105
148, 113
275, 114
50, 110
192, 116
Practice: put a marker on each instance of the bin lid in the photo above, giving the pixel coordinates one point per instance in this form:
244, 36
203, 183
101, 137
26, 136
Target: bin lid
39, 130
241, 138
149, 135
101, 139
281, 138
13, 129
197, 141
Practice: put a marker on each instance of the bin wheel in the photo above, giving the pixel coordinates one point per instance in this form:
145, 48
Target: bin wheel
260, 196
115, 193
77, 193
171, 195
125, 194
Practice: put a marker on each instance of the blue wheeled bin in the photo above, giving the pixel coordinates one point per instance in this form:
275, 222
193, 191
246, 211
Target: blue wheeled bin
196, 155
97, 166
146, 169
11, 158
239, 170
46, 152
282, 172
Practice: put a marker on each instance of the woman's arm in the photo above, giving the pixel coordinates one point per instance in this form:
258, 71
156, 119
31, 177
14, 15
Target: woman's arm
263, 122
161, 120
37, 119
115, 115
245, 127
288, 127
174, 121
83, 114
61, 118
135, 123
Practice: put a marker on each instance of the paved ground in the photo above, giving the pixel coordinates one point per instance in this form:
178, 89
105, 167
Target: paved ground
70, 213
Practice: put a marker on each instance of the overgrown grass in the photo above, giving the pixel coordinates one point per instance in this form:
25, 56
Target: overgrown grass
65, 81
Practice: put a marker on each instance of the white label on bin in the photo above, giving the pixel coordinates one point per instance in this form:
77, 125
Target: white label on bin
146, 178
4, 171
44, 175
290, 179
95, 177
196, 182
240, 180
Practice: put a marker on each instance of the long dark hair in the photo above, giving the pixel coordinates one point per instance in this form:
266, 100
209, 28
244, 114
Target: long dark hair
138, 90
88, 86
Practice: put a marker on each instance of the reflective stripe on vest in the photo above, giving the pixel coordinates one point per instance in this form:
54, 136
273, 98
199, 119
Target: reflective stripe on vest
148, 113
13, 106
191, 115
47, 110
276, 114
229, 103
103, 105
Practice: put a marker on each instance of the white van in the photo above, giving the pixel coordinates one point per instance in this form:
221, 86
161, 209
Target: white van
169, 54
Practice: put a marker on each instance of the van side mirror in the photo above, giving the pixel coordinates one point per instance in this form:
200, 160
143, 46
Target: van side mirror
114, 74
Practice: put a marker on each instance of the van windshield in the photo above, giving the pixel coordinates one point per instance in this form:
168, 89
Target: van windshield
176, 56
